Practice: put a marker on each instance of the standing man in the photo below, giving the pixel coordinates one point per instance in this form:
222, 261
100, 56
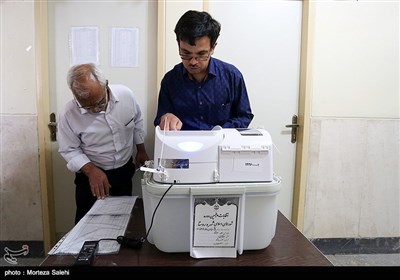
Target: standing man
98, 131
201, 91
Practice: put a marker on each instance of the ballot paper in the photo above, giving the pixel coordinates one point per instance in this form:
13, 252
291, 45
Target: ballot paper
107, 219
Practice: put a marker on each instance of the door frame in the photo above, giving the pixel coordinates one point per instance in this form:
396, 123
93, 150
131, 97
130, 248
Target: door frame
304, 114
43, 112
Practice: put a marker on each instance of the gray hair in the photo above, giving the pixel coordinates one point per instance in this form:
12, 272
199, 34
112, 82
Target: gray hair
78, 74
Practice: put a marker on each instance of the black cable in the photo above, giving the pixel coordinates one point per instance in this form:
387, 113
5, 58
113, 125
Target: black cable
136, 243
108, 239
155, 209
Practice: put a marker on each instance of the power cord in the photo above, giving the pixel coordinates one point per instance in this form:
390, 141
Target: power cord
155, 209
136, 243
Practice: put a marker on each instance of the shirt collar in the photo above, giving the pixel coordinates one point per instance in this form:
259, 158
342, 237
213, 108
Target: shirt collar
211, 69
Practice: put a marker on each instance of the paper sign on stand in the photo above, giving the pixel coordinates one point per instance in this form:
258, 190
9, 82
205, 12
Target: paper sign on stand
216, 222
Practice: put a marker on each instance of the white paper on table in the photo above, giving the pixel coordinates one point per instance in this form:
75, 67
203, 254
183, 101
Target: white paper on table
113, 205
108, 218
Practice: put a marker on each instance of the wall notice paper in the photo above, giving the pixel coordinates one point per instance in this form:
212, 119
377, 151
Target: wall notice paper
84, 45
108, 218
214, 227
124, 47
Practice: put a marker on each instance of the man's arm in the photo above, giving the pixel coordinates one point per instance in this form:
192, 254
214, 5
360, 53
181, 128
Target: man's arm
141, 155
241, 114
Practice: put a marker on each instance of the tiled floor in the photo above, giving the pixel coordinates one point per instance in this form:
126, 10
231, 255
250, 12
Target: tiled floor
337, 260
365, 260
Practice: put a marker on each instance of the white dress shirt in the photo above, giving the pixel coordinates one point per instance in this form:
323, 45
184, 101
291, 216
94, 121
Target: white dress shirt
107, 138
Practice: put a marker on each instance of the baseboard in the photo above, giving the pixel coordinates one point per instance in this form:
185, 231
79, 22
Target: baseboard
352, 246
33, 249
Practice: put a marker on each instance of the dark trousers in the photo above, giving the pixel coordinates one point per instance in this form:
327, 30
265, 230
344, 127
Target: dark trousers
120, 179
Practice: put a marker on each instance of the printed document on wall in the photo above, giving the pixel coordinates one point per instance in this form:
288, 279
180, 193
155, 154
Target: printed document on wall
124, 47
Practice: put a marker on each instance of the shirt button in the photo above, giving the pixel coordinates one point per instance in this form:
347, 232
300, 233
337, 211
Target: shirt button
201, 117
200, 103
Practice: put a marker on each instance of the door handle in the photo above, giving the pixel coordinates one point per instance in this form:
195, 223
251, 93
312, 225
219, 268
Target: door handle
294, 127
53, 127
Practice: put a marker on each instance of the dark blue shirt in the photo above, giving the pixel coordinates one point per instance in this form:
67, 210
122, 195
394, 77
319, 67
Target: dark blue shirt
219, 100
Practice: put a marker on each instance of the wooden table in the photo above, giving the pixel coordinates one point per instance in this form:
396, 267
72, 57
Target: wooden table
289, 247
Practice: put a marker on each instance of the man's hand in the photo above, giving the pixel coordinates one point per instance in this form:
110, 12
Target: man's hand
170, 122
98, 181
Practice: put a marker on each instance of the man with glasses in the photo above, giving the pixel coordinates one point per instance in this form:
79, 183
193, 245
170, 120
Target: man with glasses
201, 91
97, 134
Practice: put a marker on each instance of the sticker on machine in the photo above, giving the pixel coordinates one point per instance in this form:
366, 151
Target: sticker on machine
247, 164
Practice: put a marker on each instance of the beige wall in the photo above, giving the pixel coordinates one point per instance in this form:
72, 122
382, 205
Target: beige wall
20, 204
356, 60
353, 187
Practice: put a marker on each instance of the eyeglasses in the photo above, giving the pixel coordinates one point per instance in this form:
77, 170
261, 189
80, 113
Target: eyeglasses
99, 105
199, 57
